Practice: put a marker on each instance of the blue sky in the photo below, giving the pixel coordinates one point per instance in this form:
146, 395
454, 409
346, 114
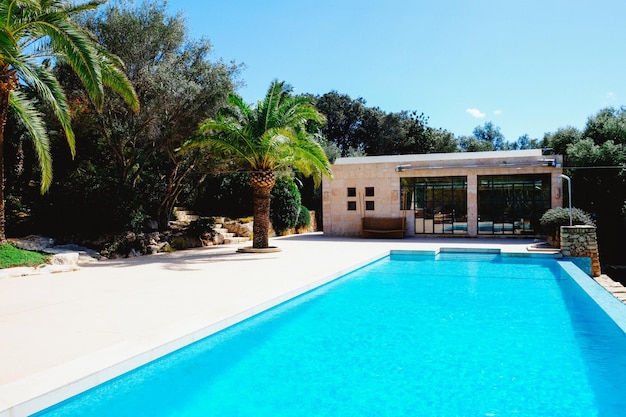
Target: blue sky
529, 66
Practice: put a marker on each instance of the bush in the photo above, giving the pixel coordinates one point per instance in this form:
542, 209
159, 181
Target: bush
285, 205
203, 226
304, 218
553, 219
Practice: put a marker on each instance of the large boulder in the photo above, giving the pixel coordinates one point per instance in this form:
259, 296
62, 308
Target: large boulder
34, 243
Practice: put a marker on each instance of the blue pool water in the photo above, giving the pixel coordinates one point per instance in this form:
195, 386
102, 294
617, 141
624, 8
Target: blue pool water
446, 335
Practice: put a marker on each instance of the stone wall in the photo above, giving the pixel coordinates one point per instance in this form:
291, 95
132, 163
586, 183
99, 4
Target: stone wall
581, 242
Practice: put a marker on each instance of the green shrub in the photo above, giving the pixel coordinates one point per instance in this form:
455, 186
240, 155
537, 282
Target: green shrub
285, 205
202, 226
304, 218
553, 219
179, 243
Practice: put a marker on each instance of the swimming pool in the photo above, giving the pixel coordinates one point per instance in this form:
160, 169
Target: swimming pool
423, 335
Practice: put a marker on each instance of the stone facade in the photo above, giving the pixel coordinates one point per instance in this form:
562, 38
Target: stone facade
581, 242
376, 180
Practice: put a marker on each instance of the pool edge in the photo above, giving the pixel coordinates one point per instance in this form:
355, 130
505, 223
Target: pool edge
612, 306
60, 383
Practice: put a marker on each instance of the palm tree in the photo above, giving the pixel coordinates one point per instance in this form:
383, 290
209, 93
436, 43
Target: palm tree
266, 138
34, 34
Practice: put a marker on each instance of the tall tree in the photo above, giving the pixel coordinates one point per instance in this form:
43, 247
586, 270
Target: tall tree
178, 86
525, 142
344, 119
33, 34
264, 139
559, 140
490, 133
598, 174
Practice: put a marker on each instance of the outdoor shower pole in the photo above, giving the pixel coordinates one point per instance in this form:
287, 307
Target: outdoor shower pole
569, 195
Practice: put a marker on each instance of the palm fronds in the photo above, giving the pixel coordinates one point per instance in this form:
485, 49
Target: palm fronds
34, 32
270, 136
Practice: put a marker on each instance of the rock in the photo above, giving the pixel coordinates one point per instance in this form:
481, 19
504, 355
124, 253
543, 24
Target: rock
85, 255
151, 225
244, 229
218, 239
65, 258
33, 243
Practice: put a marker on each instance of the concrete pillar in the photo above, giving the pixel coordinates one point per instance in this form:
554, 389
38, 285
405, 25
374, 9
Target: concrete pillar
472, 205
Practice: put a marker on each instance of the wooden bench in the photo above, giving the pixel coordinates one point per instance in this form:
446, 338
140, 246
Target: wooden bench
382, 227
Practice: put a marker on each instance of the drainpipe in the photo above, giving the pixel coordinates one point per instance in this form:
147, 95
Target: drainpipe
569, 195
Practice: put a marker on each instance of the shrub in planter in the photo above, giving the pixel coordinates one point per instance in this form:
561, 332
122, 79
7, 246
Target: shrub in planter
553, 219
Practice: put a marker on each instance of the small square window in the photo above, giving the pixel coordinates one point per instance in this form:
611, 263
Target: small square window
351, 205
369, 191
351, 192
369, 205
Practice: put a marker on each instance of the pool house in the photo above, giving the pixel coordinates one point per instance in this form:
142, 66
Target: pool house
472, 194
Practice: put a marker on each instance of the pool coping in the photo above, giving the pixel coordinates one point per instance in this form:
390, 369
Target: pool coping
168, 341
19, 399
611, 305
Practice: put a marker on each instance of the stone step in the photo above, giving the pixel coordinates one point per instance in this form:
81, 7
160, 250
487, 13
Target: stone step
232, 240
184, 215
227, 235
187, 218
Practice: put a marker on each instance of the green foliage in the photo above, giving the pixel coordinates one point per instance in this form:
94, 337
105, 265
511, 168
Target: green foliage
268, 137
490, 133
178, 86
525, 142
561, 139
356, 129
230, 195
608, 125
275, 135
179, 243
138, 220
598, 156
202, 226
554, 218
304, 218
32, 34
285, 206
473, 144
10, 256
586, 152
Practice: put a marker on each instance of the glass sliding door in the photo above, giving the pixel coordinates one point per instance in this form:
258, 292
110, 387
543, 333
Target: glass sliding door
439, 203
512, 204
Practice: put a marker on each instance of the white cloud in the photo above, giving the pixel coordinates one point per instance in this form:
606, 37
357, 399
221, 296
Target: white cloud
610, 95
475, 113
497, 112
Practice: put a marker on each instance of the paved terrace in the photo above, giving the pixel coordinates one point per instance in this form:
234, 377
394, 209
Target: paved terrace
64, 332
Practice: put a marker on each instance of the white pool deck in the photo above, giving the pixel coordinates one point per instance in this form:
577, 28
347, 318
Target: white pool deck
62, 333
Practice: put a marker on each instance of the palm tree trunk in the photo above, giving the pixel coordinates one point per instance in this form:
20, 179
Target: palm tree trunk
261, 212
262, 183
8, 83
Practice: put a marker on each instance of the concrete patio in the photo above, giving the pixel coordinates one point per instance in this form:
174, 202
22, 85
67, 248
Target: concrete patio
65, 332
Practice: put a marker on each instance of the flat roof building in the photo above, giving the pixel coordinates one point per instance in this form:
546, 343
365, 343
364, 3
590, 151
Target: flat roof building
462, 194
